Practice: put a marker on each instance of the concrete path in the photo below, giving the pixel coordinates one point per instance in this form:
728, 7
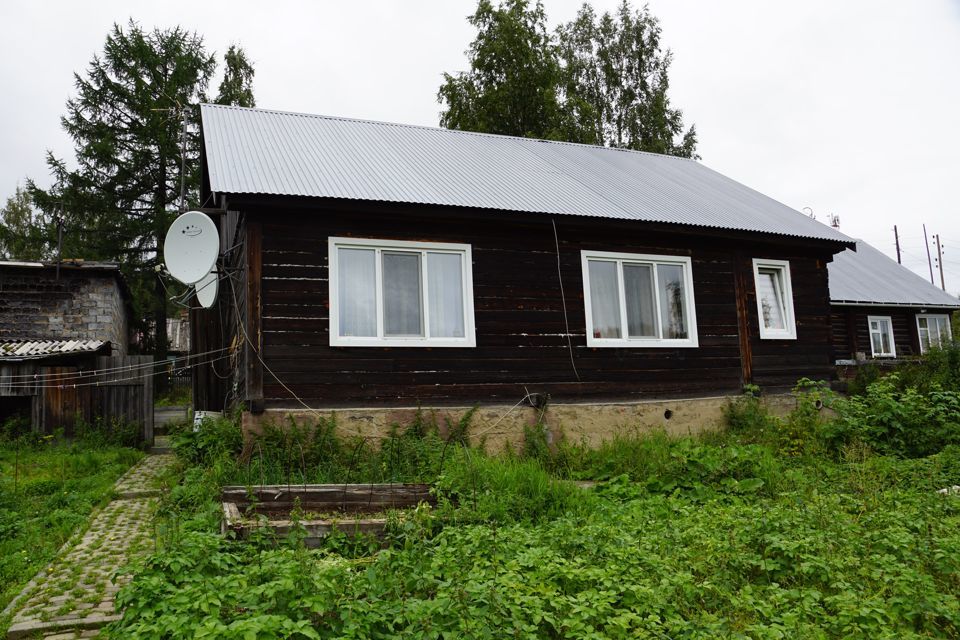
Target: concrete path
162, 416
73, 597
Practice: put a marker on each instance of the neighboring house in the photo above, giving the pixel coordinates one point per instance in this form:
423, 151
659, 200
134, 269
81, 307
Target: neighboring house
56, 324
383, 265
881, 309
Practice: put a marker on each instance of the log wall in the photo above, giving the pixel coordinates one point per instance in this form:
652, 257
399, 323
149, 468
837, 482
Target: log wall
521, 333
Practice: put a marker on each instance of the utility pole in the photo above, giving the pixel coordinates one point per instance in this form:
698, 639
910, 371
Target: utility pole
940, 262
896, 238
926, 243
59, 220
183, 163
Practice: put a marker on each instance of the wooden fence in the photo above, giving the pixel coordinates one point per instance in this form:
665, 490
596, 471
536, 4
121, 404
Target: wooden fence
63, 395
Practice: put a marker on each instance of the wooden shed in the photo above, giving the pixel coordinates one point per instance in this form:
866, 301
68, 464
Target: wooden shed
63, 348
381, 265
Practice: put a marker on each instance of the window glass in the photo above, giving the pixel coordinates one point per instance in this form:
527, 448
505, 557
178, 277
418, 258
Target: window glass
886, 337
641, 305
771, 299
402, 306
924, 330
943, 330
357, 292
672, 314
604, 299
445, 294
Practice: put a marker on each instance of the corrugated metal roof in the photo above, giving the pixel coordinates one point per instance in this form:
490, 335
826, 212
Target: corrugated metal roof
272, 152
34, 349
870, 277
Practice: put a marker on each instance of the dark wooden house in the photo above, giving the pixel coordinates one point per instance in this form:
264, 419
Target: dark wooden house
382, 265
882, 310
59, 324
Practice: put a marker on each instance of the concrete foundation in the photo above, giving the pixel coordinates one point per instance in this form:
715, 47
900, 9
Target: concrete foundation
497, 426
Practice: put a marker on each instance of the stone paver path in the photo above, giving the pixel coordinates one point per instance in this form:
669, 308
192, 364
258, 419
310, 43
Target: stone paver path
73, 596
142, 480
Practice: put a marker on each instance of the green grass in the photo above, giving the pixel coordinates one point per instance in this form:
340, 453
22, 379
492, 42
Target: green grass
819, 524
47, 490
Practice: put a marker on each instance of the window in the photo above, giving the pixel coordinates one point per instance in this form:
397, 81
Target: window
638, 300
881, 336
774, 299
934, 330
386, 293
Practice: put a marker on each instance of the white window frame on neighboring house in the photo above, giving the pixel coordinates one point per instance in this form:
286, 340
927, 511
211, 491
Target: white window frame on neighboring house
422, 249
784, 291
880, 332
936, 317
643, 260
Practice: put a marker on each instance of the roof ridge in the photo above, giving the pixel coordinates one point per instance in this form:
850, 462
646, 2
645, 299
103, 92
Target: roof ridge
402, 125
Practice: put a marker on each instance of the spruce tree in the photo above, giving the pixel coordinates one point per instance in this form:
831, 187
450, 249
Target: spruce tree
127, 124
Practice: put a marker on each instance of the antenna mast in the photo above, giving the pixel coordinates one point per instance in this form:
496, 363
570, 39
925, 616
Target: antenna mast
183, 163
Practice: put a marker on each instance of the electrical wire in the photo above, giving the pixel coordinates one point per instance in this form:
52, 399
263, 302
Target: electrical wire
99, 383
108, 370
563, 299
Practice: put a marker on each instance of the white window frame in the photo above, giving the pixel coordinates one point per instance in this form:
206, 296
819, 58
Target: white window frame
789, 332
691, 341
870, 332
469, 338
934, 316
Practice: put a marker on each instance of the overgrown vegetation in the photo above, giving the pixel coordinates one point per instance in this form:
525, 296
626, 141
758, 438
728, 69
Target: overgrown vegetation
825, 522
48, 486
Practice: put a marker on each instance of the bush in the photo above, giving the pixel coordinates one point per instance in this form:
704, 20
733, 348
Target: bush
894, 421
212, 439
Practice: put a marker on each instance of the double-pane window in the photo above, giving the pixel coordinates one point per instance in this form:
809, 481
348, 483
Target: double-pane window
637, 300
881, 336
392, 293
934, 330
774, 299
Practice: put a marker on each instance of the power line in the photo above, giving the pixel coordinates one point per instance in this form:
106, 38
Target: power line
109, 370
103, 383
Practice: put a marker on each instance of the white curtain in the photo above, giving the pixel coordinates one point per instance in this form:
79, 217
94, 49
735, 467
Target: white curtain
641, 307
769, 291
604, 299
357, 292
445, 295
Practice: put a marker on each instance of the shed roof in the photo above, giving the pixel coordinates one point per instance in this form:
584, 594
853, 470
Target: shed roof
15, 350
870, 277
74, 264
258, 151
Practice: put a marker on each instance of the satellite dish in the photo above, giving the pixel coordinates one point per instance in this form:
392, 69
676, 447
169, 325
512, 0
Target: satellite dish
207, 289
191, 247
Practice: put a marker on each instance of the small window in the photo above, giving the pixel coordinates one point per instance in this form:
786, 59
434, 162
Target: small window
934, 330
774, 299
388, 293
881, 337
635, 300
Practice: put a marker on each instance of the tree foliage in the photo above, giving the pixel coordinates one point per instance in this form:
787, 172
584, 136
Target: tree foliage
596, 80
236, 88
511, 86
616, 82
127, 125
25, 232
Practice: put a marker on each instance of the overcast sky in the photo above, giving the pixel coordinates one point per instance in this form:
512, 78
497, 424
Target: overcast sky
849, 108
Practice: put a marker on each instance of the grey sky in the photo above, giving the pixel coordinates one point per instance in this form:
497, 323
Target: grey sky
850, 108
